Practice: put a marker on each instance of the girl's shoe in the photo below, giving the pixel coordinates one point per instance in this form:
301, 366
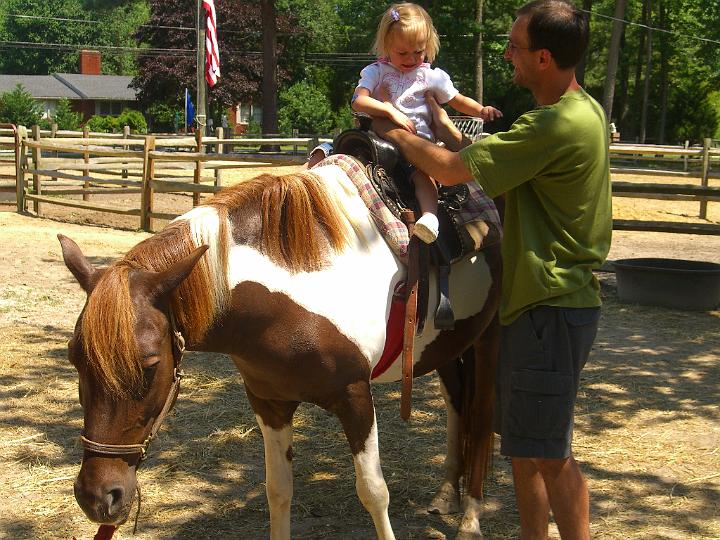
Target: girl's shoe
426, 228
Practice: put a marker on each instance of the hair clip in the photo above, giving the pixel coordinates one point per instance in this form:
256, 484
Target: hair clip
395, 15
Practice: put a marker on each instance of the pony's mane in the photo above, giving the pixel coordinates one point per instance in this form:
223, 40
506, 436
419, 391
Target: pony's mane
300, 220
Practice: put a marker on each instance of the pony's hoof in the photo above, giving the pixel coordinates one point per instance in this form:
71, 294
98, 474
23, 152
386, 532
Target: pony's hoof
469, 536
446, 501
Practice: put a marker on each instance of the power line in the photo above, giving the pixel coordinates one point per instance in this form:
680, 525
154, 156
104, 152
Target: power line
139, 51
91, 21
651, 28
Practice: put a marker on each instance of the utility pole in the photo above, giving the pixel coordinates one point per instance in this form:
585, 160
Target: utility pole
200, 114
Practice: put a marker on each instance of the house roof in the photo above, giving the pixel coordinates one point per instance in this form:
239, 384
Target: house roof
39, 86
73, 86
115, 87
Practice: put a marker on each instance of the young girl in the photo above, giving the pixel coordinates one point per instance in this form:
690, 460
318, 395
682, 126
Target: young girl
395, 86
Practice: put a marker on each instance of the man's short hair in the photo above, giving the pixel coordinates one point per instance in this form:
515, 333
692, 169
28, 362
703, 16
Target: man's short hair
558, 26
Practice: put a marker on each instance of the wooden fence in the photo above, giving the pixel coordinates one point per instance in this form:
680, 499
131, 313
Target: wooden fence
8, 158
53, 164
697, 165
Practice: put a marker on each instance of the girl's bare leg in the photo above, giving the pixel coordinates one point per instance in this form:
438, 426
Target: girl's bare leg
426, 228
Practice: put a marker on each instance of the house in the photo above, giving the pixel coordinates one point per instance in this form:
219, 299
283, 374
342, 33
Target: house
89, 92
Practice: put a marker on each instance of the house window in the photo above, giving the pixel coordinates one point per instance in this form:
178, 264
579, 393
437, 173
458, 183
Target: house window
107, 108
249, 111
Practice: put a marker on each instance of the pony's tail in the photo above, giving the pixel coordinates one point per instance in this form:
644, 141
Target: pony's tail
301, 221
476, 424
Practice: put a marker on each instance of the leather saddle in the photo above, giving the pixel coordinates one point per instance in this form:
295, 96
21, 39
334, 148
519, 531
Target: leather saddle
390, 175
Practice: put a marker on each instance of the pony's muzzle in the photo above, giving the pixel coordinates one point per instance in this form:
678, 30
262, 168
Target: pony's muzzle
104, 502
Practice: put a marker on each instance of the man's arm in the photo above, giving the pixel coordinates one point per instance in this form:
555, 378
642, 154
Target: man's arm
444, 166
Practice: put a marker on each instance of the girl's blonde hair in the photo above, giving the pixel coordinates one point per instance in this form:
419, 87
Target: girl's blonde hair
414, 24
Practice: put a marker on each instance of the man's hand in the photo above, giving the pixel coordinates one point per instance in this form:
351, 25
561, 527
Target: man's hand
443, 127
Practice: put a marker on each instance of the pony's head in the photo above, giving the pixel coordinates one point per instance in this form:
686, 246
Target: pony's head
124, 351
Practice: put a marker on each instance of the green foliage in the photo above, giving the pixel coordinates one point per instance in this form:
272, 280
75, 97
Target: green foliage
19, 107
254, 127
344, 118
134, 119
118, 25
162, 117
305, 108
65, 117
103, 124
115, 124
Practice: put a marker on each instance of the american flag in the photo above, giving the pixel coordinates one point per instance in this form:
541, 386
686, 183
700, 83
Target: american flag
212, 53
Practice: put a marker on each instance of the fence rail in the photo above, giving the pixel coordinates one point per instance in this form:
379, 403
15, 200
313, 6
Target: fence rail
50, 165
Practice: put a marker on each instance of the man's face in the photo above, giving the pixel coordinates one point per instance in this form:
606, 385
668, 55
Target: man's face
518, 52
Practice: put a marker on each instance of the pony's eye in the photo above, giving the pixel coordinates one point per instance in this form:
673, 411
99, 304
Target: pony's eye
151, 361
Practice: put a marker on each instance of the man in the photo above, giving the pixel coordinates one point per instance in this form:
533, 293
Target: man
553, 167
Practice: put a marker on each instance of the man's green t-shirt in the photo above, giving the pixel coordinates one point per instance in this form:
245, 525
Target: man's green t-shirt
554, 168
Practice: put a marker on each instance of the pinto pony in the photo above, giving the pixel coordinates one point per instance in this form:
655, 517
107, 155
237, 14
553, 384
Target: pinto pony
289, 276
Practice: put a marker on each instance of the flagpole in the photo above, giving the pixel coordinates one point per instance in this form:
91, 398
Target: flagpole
200, 62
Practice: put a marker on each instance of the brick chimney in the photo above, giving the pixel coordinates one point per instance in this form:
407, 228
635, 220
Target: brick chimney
89, 62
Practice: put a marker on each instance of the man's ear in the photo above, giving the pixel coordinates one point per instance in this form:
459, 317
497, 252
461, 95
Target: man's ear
545, 58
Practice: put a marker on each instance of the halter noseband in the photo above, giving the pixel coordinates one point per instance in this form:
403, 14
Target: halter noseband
142, 448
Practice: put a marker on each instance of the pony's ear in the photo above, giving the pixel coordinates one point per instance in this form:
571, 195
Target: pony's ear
76, 262
166, 281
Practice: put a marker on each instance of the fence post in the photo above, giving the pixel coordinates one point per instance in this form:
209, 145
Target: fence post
146, 196
86, 159
126, 134
685, 158
19, 171
312, 143
53, 134
219, 149
198, 164
36, 157
705, 173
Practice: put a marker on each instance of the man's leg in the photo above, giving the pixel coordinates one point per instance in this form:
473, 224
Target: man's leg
557, 484
568, 495
532, 500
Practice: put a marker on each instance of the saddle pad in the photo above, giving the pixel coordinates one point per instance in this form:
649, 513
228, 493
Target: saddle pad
478, 207
392, 229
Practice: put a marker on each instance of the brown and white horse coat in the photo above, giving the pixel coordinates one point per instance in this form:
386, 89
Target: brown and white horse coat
296, 286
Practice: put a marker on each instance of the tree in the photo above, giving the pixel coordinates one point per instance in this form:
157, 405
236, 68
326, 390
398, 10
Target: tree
65, 117
163, 78
67, 26
305, 108
478, 51
19, 107
613, 54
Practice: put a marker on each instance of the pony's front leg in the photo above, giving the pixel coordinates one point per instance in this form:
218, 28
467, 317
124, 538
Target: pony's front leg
447, 498
275, 421
357, 415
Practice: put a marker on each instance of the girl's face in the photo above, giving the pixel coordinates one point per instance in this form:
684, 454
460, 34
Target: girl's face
403, 54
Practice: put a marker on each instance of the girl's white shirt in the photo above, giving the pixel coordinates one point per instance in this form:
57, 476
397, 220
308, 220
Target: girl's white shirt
407, 90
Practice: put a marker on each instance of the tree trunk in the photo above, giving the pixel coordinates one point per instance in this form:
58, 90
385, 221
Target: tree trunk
580, 69
269, 82
648, 76
663, 73
613, 56
636, 93
479, 51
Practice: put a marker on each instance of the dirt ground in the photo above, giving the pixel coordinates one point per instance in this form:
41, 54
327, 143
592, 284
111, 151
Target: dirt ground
647, 426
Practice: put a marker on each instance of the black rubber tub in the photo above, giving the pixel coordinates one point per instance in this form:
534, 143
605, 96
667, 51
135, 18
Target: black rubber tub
675, 283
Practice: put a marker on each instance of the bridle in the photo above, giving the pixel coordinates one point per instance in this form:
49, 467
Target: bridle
142, 448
